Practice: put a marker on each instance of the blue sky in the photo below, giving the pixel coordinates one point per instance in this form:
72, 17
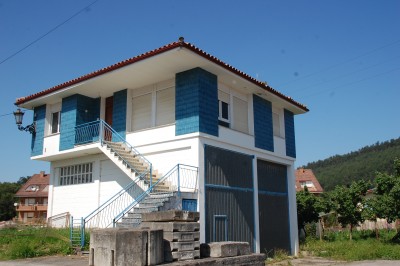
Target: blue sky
341, 58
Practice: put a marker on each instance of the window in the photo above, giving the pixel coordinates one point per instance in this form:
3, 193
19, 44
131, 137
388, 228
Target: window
240, 119
30, 201
276, 124
223, 103
55, 123
141, 112
165, 105
76, 174
306, 184
156, 108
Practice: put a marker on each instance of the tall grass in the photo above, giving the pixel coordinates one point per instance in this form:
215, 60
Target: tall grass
26, 242
364, 246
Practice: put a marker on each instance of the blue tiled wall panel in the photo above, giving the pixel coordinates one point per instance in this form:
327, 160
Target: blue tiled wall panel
39, 116
196, 102
263, 126
289, 134
119, 112
68, 122
76, 110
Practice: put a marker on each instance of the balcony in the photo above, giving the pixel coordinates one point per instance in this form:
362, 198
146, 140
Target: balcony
30, 208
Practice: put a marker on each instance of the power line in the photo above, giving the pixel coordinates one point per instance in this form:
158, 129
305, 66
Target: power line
6, 114
341, 63
47, 33
347, 74
351, 83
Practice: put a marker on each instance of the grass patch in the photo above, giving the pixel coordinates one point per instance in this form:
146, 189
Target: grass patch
364, 246
28, 242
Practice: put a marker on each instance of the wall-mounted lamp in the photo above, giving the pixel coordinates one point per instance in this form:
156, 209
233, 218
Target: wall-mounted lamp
18, 120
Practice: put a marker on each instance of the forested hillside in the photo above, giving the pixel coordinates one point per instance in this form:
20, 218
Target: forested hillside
356, 165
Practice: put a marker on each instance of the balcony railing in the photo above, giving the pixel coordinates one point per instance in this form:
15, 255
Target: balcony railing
32, 207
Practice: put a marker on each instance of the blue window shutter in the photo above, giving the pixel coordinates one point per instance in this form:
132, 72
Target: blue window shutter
289, 134
263, 126
39, 118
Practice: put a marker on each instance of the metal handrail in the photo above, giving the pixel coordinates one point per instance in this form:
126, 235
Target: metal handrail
176, 169
118, 138
110, 201
100, 131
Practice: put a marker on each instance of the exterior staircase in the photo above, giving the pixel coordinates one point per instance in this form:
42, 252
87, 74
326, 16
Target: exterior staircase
135, 165
155, 201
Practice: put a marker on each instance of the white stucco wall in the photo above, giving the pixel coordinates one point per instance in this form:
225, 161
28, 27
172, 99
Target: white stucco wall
81, 199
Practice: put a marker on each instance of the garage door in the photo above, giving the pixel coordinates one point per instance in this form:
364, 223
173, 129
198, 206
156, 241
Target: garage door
273, 207
228, 196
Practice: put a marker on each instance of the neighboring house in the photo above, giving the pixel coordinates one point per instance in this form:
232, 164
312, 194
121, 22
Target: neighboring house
306, 178
175, 105
33, 198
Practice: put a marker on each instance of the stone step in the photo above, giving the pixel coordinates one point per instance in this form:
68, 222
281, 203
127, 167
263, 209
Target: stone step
154, 200
145, 209
151, 204
134, 215
161, 195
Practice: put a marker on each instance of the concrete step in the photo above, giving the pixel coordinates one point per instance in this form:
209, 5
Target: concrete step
145, 209
161, 195
151, 204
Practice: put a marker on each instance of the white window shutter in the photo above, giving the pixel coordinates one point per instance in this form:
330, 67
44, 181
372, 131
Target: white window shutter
165, 106
141, 112
240, 117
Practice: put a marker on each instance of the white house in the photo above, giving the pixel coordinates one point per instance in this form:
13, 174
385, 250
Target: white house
173, 105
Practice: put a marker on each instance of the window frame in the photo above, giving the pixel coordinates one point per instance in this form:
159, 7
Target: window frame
76, 174
154, 91
52, 123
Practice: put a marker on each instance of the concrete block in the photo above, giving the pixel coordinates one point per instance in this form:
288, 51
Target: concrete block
182, 255
118, 246
155, 247
172, 226
182, 236
224, 249
182, 246
170, 216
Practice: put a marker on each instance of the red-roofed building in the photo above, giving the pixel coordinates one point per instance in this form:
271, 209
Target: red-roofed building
33, 199
215, 138
306, 178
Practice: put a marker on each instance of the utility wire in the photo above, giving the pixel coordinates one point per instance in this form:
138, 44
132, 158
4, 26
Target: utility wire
346, 74
353, 82
6, 114
341, 63
47, 33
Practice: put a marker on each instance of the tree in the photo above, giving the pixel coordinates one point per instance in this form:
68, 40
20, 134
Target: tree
349, 202
22, 180
307, 208
387, 194
7, 200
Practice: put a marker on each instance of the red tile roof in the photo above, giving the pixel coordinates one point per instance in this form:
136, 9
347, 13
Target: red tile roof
154, 52
41, 181
303, 175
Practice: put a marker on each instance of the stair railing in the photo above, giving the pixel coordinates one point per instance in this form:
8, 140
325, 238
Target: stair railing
102, 217
100, 131
180, 178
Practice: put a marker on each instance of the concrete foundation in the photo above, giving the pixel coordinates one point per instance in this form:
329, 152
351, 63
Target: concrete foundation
224, 249
119, 247
122, 246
